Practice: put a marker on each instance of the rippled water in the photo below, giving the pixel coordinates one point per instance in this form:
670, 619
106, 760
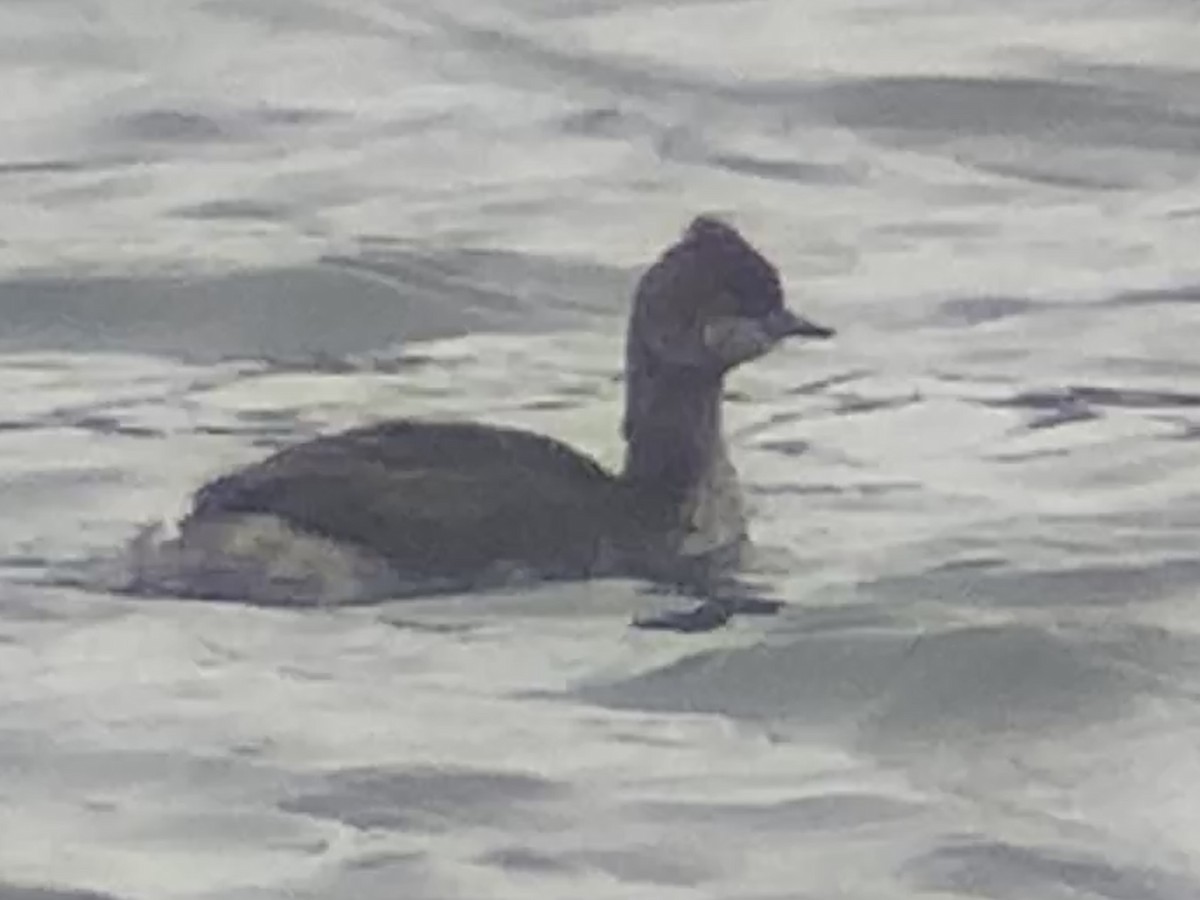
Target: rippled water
226, 226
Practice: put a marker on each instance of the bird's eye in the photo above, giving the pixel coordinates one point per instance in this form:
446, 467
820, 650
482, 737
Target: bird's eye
757, 289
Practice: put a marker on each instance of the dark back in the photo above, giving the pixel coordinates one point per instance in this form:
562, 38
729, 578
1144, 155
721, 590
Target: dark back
436, 499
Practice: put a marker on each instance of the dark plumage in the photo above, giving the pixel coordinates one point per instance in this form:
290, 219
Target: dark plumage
437, 499
457, 504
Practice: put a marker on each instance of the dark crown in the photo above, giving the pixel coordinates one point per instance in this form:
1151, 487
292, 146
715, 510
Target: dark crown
735, 265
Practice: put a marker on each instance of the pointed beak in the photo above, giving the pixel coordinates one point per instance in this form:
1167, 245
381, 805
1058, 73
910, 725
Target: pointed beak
785, 323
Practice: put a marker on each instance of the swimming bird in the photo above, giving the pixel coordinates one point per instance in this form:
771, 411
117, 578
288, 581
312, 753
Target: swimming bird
409, 507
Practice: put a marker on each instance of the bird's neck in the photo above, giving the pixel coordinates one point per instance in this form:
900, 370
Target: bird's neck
672, 427
676, 463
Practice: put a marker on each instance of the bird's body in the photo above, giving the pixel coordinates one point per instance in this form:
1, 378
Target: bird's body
409, 506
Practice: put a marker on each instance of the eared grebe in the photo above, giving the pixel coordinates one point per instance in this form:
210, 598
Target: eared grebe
409, 507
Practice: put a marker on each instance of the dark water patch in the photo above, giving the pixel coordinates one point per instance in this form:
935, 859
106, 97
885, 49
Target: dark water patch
1061, 113
525, 859
1025, 456
45, 167
78, 770
1170, 656
433, 276
219, 430
234, 210
9, 891
607, 122
786, 447
169, 126
302, 312
1130, 398
972, 564
284, 16
1068, 414
783, 170
24, 561
969, 684
272, 427
286, 418
372, 363
901, 685
289, 116
934, 228
854, 404
385, 859
1084, 585
824, 813
192, 127
343, 308
549, 404
821, 385
1051, 400
107, 425
1079, 402
1045, 172
978, 867
971, 311
1187, 294
530, 290
271, 442
424, 799
1182, 371
1074, 404
866, 489
463, 630
1162, 84
583, 390
819, 681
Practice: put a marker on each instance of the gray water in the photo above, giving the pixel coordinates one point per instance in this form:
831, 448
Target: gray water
226, 226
